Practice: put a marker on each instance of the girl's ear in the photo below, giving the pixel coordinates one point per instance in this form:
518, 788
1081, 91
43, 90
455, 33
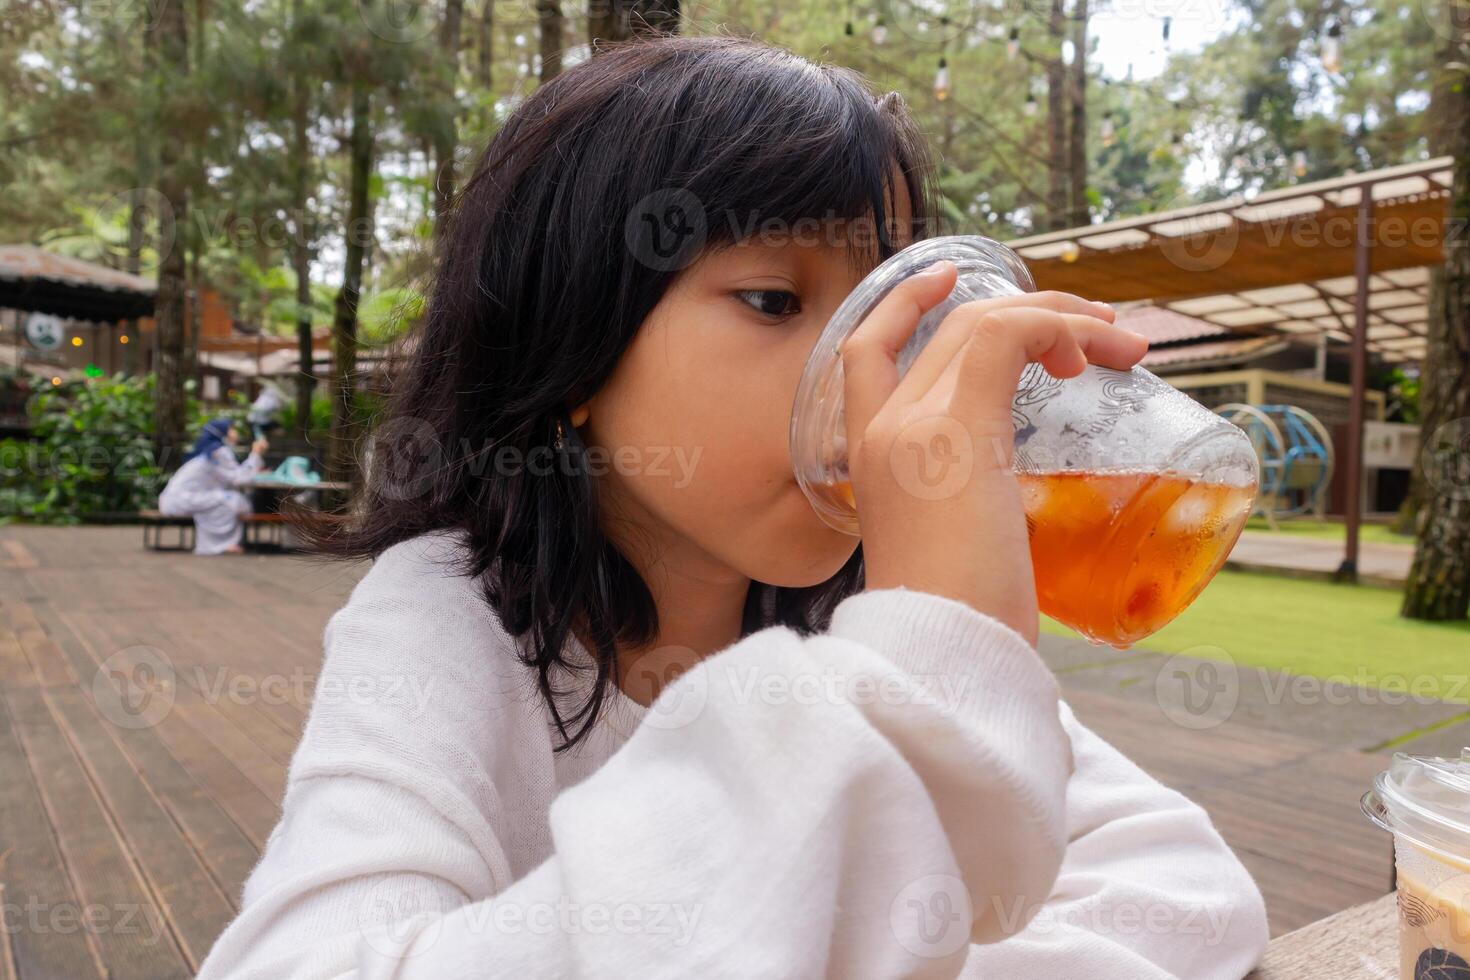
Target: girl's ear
580, 415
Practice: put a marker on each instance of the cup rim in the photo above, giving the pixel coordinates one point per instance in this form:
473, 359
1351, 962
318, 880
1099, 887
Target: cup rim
1394, 810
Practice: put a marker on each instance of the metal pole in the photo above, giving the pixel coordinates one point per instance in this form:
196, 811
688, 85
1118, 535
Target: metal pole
1363, 269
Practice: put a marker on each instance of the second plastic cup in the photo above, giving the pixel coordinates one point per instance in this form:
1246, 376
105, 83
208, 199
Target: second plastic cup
1425, 802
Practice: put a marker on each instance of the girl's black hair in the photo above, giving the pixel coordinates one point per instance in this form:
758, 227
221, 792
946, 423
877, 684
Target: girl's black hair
579, 214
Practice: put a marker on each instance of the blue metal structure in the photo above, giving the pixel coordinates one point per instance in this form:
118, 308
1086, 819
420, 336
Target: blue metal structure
1296, 457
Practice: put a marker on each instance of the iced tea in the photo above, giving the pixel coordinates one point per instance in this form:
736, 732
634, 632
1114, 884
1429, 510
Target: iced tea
1118, 555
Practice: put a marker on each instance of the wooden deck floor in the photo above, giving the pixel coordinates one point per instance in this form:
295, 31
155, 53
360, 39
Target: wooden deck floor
128, 827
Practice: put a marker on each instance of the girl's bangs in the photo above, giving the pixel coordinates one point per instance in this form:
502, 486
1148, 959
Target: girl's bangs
817, 166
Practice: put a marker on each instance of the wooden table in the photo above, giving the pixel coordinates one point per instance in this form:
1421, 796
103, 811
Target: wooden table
291, 485
1360, 943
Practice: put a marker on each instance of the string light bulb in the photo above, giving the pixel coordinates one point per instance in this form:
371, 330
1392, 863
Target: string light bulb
1029, 106
1071, 252
941, 80
1107, 131
880, 30
1332, 49
1168, 23
1013, 43
1299, 163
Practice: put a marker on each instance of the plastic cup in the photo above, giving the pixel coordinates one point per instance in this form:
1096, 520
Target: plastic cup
1134, 492
1425, 803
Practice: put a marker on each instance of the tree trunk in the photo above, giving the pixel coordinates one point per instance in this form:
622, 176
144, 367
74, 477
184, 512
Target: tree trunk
1077, 144
342, 463
487, 44
193, 315
171, 69
446, 137
654, 17
301, 241
1438, 587
619, 20
1056, 120
548, 14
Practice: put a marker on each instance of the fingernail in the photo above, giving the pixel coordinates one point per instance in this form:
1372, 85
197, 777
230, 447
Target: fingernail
934, 268
1106, 306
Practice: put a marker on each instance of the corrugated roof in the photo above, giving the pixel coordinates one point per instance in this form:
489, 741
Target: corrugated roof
1164, 326
21, 261
1215, 352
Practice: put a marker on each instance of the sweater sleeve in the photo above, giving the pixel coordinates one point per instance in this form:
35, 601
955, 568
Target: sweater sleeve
828, 805
235, 473
1148, 891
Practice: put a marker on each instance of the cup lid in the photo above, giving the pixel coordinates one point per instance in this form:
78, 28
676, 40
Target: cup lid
1424, 799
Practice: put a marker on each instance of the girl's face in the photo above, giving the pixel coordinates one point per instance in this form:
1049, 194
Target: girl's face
232, 435
692, 426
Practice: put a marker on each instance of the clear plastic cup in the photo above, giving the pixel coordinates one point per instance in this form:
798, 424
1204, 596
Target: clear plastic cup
1425, 803
1134, 492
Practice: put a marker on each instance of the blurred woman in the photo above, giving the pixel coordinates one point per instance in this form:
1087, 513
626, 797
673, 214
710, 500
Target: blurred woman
206, 488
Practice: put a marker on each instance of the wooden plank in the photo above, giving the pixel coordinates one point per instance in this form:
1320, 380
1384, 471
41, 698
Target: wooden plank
1360, 943
42, 910
226, 852
47, 662
15, 667
130, 933
251, 809
17, 555
195, 906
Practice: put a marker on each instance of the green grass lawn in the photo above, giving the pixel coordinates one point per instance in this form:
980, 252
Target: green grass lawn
1330, 530
1340, 632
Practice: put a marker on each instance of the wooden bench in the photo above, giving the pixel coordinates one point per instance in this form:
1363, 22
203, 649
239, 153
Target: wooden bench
261, 531
265, 531
153, 524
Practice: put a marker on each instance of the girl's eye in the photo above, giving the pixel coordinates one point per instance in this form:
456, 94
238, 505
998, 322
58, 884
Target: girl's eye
770, 302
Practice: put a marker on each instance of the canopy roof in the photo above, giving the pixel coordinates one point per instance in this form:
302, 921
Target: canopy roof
1280, 260
32, 278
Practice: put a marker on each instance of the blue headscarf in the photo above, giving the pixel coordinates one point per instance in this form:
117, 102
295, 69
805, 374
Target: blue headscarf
211, 438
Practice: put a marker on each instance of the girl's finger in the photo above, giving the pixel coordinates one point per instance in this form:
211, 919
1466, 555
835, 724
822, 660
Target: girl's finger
870, 353
955, 332
1004, 342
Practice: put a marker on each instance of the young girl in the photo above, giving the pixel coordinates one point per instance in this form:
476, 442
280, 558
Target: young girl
612, 701
207, 488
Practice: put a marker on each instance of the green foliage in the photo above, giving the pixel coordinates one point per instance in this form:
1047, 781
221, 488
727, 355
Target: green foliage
321, 414
1403, 392
92, 452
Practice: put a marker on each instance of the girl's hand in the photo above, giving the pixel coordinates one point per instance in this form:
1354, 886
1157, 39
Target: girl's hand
930, 454
259, 446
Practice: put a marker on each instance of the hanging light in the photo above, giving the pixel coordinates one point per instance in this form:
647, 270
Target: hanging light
1029, 106
1013, 43
1071, 251
1332, 48
76, 341
122, 338
941, 80
1107, 131
1299, 163
880, 30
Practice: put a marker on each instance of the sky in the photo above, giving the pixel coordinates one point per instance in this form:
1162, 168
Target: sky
1130, 33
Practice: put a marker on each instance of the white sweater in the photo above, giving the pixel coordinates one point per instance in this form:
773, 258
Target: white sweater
904, 795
